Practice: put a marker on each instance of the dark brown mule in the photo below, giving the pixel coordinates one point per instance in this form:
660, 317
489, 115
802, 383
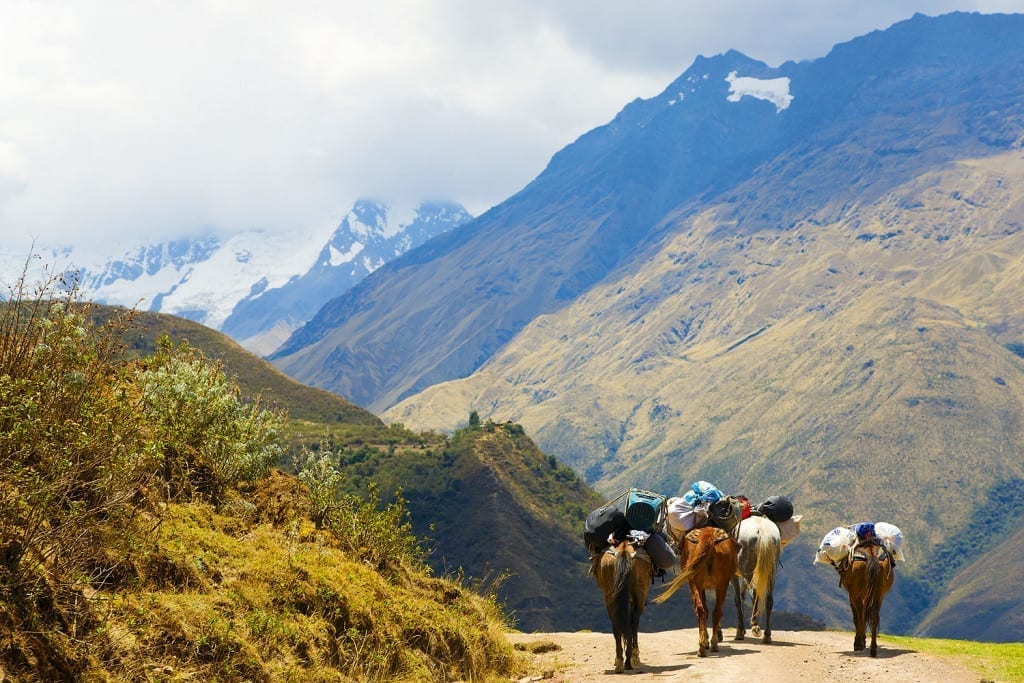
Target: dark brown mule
624, 575
707, 560
867, 577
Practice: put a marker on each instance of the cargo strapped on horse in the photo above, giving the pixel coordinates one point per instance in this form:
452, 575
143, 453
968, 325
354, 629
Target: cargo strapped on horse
635, 513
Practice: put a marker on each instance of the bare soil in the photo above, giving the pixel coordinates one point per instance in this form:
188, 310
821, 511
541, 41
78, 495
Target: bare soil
820, 656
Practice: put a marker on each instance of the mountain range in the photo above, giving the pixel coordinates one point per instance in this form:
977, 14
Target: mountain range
801, 280
255, 286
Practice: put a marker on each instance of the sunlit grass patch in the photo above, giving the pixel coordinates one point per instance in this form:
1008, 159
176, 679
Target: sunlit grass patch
993, 661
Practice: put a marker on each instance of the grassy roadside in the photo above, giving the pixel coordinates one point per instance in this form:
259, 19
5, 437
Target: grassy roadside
995, 662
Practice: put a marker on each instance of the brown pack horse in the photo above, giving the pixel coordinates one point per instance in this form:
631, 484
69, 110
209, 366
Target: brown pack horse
867, 577
707, 560
624, 574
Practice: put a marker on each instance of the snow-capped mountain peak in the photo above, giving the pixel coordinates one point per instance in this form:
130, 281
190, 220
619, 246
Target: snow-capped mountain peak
256, 286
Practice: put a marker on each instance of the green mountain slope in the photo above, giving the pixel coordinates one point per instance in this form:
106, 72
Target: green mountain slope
986, 595
253, 375
498, 509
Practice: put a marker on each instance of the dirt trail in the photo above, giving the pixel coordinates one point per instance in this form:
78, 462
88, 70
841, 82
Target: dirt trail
820, 656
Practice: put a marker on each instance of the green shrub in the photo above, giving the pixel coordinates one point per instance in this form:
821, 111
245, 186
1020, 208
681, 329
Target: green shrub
325, 483
382, 536
208, 438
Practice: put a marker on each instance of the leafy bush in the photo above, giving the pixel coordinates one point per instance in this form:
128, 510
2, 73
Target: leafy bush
381, 535
209, 439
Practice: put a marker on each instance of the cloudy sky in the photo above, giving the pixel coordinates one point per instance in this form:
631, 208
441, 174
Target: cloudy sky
122, 120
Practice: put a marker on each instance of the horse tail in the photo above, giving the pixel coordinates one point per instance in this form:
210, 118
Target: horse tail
765, 565
620, 589
704, 551
873, 591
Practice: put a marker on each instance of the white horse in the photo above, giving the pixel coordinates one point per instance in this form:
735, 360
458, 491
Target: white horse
761, 542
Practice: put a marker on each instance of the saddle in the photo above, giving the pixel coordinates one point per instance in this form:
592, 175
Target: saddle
694, 535
858, 556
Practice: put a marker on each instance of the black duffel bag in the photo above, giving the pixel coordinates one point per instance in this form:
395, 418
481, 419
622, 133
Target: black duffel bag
776, 508
602, 523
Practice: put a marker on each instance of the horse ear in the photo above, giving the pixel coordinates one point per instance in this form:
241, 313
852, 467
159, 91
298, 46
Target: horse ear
797, 518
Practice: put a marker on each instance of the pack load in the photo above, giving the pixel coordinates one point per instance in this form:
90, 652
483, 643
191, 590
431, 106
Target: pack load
776, 508
661, 553
634, 510
745, 509
645, 511
837, 546
601, 524
890, 536
725, 514
789, 530
865, 531
681, 517
702, 492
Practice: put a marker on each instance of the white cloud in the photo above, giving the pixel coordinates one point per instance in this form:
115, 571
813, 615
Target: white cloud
153, 118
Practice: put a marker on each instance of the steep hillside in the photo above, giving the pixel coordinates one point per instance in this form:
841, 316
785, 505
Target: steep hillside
988, 593
843, 129
488, 503
254, 375
496, 508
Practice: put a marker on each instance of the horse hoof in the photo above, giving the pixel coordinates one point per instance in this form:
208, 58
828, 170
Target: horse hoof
755, 630
739, 636
767, 640
702, 652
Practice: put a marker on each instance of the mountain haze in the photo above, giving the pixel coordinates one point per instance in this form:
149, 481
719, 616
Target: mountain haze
257, 286
365, 239
802, 280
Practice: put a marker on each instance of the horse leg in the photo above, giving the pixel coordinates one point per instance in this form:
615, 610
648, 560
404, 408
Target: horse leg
857, 607
700, 608
619, 668
768, 620
631, 658
721, 593
740, 630
755, 614
632, 648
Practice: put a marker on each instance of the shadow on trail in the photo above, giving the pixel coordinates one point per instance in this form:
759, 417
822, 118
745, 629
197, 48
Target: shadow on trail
767, 646
655, 669
883, 653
